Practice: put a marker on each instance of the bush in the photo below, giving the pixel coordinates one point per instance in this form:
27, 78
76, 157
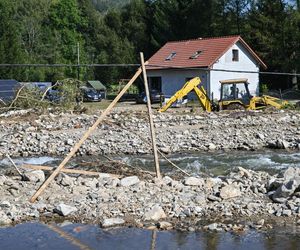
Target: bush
264, 89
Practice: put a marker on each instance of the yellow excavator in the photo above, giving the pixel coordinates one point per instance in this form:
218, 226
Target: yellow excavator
234, 95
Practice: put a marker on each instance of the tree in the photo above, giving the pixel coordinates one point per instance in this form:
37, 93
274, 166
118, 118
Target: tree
10, 41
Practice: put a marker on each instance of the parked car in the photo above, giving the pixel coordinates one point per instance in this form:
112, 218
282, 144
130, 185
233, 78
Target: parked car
54, 95
155, 97
91, 95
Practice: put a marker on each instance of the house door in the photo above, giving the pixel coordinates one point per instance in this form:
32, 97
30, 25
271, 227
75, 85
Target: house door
155, 83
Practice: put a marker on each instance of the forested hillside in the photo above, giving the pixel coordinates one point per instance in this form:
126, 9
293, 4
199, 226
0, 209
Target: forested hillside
47, 31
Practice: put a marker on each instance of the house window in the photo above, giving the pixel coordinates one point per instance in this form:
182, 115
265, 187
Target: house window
171, 56
155, 83
235, 55
196, 54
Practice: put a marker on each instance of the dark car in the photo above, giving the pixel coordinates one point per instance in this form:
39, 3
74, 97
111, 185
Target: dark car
91, 95
54, 95
155, 97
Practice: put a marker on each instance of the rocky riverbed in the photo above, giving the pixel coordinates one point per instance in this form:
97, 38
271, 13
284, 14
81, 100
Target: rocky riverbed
127, 132
244, 199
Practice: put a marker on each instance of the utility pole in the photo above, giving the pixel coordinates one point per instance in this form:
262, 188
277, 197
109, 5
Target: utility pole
78, 61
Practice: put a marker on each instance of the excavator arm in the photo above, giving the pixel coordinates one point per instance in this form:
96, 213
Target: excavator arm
187, 88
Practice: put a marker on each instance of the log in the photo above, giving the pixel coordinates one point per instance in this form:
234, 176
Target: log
70, 171
84, 137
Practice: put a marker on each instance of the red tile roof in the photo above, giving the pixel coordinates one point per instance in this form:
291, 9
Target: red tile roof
211, 50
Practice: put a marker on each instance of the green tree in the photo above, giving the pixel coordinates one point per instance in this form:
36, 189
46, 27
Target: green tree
10, 41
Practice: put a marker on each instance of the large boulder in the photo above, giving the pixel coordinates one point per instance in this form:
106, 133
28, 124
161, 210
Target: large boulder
285, 191
67, 180
112, 222
291, 174
4, 220
129, 181
193, 181
34, 176
64, 209
156, 213
230, 191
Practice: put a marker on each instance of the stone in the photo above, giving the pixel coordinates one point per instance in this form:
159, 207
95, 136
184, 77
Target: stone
244, 172
212, 146
213, 198
291, 173
200, 199
261, 222
230, 191
286, 212
284, 191
156, 213
165, 150
167, 180
5, 204
211, 182
193, 181
212, 227
34, 176
4, 220
65, 210
67, 180
164, 225
112, 222
2, 180
129, 181
282, 144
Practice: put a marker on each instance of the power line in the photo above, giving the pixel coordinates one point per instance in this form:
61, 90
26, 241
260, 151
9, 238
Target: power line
138, 65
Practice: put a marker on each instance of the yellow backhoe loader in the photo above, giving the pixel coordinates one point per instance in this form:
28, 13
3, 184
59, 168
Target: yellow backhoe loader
234, 95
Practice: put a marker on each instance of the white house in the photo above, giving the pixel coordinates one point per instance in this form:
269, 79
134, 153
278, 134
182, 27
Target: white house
211, 59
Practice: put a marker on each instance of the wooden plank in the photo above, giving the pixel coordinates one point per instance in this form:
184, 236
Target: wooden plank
152, 130
70, 171
84, 137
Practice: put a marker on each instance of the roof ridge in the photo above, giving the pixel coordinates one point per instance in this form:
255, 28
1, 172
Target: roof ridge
205, 38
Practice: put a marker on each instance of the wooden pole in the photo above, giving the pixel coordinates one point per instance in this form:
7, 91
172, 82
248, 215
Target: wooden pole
84, 137
152, 131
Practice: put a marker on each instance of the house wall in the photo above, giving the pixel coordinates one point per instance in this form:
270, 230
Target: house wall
246, 62
173, 80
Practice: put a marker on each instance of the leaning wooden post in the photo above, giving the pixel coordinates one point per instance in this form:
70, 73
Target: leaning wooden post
84, 137
152, 131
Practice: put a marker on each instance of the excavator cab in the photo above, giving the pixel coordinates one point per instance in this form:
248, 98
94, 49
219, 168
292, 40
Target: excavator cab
235, 94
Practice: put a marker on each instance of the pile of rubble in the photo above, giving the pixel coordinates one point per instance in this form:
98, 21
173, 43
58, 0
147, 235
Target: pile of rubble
126, 133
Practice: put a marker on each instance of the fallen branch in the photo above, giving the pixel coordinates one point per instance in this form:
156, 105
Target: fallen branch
17, 96
71, 171
46, 91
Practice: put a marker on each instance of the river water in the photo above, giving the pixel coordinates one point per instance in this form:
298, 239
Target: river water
75, 236
215, 163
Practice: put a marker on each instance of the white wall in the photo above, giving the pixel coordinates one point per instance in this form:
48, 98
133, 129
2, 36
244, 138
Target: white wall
246, 62
173, 80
